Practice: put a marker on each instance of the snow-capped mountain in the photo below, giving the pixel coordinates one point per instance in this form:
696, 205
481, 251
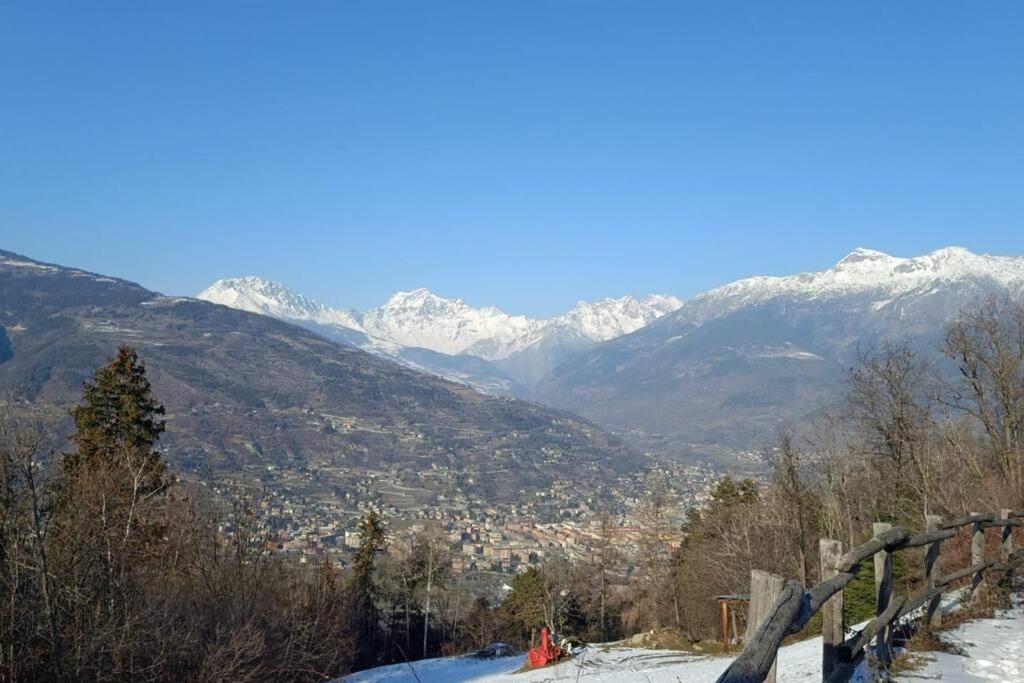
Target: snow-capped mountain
267, 297
485, 347
423, 319
734, 362
867, 275
609, 318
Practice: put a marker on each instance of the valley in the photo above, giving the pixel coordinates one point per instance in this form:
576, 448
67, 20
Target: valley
280, 398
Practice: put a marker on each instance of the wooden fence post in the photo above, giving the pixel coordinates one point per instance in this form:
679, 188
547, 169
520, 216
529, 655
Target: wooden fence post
977, 553
723, 607
765, 589
883, 594
832, 631
1007, 547
933, 615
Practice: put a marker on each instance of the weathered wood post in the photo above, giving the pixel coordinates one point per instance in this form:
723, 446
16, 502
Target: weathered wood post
1006, 549
977, 553
832, 630
933, 615
1007, 546
723, 607
883, 594
765, 589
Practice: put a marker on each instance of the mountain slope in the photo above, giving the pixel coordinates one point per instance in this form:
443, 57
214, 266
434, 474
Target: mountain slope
733, 364
484, 347
246, 392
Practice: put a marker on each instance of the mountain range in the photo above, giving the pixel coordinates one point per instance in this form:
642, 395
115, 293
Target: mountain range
718, 374
483, 347
723, 370
247, 395
733, 364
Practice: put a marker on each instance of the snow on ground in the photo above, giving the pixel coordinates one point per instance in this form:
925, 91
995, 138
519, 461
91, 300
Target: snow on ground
600, 664
994, 651
444, 670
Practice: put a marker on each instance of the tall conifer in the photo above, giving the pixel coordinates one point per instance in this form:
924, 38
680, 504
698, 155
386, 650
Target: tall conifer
118, 415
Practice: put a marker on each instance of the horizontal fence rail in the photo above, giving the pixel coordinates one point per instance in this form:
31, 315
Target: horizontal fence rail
781, 608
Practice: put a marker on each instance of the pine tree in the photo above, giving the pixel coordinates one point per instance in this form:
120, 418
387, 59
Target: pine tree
119, 421
363, 586
111, 528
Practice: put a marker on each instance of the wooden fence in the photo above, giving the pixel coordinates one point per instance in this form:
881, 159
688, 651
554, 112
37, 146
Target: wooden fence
779, 608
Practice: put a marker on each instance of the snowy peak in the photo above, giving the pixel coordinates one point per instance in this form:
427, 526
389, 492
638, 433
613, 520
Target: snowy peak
861, 255
422, 319
864, 264
866, 272
268, 297
587, 323
424, 301
948, 262
661, 303
873, 268
609, 318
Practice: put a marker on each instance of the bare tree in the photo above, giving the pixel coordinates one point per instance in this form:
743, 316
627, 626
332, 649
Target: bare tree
889, 405
431, 556
987, 345
604, 558
26, 513
651, 562
792, 494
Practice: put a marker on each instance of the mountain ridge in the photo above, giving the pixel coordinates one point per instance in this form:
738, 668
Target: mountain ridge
866, 270
735, 363
514, 350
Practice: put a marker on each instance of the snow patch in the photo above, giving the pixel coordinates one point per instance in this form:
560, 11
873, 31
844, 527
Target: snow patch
787, 351
993, 651
15, 263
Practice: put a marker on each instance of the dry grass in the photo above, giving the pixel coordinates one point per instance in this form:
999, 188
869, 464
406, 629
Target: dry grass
929, 640
907, 661
669, 638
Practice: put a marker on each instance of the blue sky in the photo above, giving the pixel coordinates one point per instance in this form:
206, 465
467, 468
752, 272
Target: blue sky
519, 154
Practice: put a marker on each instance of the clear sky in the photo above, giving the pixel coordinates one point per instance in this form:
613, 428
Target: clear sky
518, 154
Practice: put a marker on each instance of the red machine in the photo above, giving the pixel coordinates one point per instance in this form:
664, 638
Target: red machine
545, 652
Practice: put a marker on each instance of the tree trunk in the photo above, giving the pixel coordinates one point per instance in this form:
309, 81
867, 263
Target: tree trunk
426, 611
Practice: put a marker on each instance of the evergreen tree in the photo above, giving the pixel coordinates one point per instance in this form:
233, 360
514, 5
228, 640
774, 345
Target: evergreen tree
110, 527
363, 585
524, 606
119, 421
730, 491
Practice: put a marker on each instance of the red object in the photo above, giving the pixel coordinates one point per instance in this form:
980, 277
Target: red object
544, 653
